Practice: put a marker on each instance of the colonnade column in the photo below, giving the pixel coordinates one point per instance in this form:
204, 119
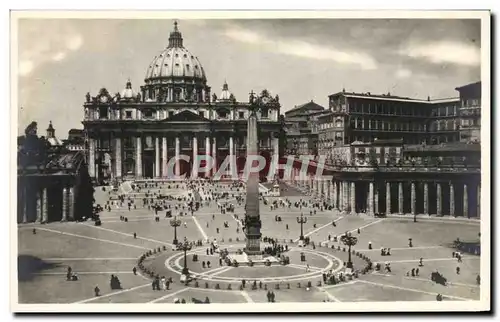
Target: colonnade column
388, 198
45, 206
346, 196
426, 198
400, 197
438, 200
118, 157
413, 198
91, 161
157, 157
370, 198
207, 155
466, 202
138, 158
177, 156
375, 196
353, 197
164, 157
65, 197
39, 205
333, 193
341, 196
71, 203
478, 201
195, 157
452, 200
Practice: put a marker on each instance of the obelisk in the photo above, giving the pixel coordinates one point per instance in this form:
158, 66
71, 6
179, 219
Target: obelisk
252, 216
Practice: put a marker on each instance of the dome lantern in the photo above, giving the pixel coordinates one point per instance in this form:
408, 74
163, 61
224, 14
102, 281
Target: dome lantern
175, 39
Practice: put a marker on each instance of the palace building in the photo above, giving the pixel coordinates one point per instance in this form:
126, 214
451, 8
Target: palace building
136, 134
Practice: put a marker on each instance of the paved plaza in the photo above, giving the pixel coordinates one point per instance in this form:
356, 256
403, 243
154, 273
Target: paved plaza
97, 252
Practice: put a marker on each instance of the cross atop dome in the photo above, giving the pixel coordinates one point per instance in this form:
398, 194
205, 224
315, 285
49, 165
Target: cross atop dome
175, 39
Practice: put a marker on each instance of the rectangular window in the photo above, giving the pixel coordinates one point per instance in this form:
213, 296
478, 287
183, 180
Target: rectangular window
201, 113
170, 114
128, 114
241, 115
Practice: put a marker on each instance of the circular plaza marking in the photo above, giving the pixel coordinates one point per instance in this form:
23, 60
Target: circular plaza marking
287, 278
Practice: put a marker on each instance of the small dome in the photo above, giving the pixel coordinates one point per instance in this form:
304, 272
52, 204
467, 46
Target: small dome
128, 92
175, 61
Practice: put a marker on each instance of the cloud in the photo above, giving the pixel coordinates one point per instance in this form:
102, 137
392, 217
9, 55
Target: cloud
59, 56
25, 67
403, 73
74, 42
45, 42
445, 52
302, 49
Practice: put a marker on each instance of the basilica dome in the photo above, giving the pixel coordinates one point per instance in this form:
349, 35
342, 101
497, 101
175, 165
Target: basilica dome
175, 61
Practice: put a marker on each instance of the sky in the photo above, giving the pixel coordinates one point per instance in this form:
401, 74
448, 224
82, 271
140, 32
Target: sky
60, 60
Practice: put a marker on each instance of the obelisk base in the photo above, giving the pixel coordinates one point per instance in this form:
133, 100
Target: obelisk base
253, 246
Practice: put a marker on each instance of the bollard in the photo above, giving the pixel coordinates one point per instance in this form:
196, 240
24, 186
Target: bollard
309, 284
217, 286
229, 287
206, 284
288, 285
196, 284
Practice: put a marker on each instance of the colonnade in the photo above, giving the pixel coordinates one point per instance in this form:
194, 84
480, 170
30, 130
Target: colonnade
44, 204
394, 197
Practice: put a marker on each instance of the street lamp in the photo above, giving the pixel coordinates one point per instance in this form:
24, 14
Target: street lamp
175, 223
301, 220
185, 246
349, 241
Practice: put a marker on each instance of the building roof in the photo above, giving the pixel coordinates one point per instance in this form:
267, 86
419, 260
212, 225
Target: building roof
309, 106
389, 97
471, 85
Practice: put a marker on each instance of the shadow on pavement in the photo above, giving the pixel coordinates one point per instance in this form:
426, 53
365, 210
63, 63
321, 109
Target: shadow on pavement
28, 266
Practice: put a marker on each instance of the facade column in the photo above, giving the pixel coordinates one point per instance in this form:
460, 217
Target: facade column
214, 156
388, 198
353, 197
177, 155
65, 195
195, 157
164, 157
466, 202
138, 157
91, 161
370, 200
413, 198
426, 198
275, 143
452, 200
118, 158
400, 198
45, 206
207, 155
375, 196
478, 201
438, 200
71, 203
39, 205
157, 157
231, 156
333, 193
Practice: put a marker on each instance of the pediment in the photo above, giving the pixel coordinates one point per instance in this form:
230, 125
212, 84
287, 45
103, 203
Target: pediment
187, 116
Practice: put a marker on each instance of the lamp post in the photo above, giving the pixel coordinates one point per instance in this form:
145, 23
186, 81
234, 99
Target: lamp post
185, 246
301, 220
349, 241
175, 223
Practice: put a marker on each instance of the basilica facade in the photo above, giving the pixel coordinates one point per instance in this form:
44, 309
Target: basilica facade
136, 134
